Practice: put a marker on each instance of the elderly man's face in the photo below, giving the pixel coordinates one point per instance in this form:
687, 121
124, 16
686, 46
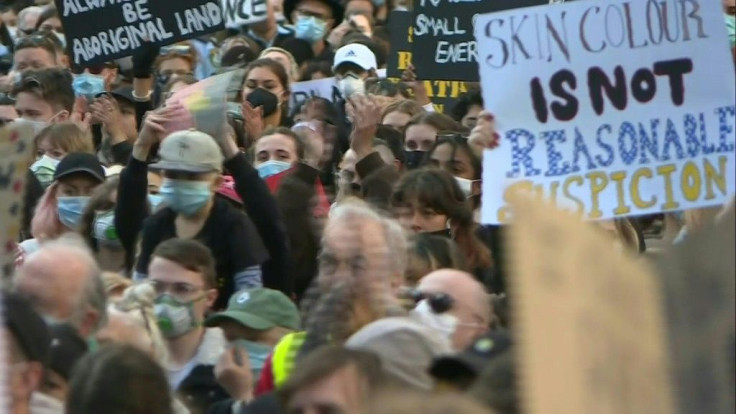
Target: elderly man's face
52, 283
353, 249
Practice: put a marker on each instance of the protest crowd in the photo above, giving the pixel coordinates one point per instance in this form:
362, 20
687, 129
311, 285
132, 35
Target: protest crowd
196, 235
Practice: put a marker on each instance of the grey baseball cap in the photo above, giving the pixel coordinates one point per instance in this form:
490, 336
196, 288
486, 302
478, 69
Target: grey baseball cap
190, 151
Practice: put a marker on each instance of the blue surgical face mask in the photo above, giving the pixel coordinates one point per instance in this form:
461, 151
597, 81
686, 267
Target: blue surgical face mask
155, 200
184, 196
272, 167
103, 229
310, 28
88, 85
71, 209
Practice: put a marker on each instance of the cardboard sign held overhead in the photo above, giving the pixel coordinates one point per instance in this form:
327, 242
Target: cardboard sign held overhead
243, 12
98, 32
590, 328
699, 285
609, 116
443, 32
15, 148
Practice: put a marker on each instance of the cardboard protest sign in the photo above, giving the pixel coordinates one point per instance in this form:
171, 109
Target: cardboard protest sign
698, 280
609, 110
99, 31
15, 148
443, 94
323, 88
207, 101
589, 325
443, 32
242, 12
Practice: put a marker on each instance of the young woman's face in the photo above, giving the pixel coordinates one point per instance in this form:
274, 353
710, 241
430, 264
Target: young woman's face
276, 147
77, 185
457, 164
420, 219
48, 148
420, 138
262, 77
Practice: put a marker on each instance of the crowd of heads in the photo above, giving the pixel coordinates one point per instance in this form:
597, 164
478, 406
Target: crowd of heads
313, 256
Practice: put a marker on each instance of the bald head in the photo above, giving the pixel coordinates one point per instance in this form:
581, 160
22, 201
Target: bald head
62, 281
471, 306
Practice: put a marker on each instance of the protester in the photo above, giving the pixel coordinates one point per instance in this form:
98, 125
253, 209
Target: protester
52, 144
266, 95
455, 305
44, 96
182, 273
429, 253
467, 108
118, 379
277, 151
420, 134
313, 20
334, 379
63, 283
26, 347
39, 51
353, 64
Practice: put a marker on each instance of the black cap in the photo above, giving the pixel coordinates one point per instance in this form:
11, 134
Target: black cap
472, 360
80, 162
337, 9
124, 92
66, 349
29, 330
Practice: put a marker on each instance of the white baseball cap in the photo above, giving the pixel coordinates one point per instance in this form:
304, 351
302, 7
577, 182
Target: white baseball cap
357, 54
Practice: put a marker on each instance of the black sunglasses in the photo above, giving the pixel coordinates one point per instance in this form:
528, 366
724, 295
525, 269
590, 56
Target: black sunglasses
94, 70
36, 40
438, 302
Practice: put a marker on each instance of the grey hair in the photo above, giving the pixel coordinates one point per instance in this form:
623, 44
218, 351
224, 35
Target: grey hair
396, 244
27, 11
93, 294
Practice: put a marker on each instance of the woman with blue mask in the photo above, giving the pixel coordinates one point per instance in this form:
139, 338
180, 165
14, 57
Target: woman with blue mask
60, 209
277, 151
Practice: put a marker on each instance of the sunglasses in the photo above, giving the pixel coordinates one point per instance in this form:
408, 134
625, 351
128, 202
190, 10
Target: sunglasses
438, 302
94, 70
36, 40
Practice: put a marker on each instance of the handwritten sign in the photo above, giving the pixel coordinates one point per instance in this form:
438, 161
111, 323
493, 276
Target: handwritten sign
591, 331
443, 94
610, 110
698, 280
322, 88
15, 147
443, 32
243, 12
102, 31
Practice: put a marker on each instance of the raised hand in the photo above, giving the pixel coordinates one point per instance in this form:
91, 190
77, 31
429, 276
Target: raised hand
233, 372
484, 135
420, 92
253, 122
366, 115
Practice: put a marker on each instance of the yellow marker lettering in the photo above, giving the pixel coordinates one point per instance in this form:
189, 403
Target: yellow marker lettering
566, 190
442, 89
439, 108
717, 177
666, 171
622, 208
404, 60
411, 34
519, 187
430, 88
690, 181
634, 189
598, 182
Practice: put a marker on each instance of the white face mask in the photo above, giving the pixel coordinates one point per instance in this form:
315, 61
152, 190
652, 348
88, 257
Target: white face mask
36, 126
443, 323
350, 85
466, 185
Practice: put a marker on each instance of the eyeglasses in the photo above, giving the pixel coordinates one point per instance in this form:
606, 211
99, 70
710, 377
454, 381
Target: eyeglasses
438, 302
179, 290
94, 70
451, 136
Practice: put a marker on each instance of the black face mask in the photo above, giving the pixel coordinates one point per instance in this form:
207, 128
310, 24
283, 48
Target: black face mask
447, 233
415, 159
265, 99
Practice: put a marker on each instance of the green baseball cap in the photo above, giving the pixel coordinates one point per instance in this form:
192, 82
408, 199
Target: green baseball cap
259, 308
